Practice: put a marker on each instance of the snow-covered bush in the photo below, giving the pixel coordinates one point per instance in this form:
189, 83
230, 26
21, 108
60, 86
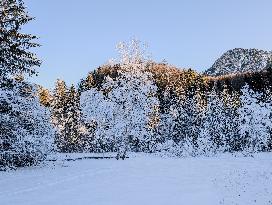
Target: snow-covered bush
26, 135
98, 110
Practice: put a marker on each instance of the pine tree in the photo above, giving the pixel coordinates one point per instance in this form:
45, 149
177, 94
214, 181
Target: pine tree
44, 96
194, 109
167, 116
72, 122
187, 117
26, 134
231, 126
25, 129
66, 117
15, 55
254, 121
178, 114
212, 134
59, 114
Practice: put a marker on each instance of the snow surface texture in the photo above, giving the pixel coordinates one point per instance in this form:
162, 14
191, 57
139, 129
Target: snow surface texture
142, 179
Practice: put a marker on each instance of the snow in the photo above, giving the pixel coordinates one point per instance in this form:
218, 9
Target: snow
141, 179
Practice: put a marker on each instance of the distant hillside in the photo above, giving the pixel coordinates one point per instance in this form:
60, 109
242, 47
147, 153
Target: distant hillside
240, 60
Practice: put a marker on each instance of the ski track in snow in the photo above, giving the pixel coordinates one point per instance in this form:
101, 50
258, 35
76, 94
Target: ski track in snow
142, 179
39, 185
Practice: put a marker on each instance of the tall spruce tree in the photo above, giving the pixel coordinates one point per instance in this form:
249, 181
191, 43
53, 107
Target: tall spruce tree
15, 55
186, 122
59, 114
231, 103
194, 109
73, 120
66, 116
25, 129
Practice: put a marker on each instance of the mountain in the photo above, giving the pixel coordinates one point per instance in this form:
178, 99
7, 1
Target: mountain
240, 60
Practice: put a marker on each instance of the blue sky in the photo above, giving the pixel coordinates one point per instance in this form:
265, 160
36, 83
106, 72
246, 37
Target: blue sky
78, 36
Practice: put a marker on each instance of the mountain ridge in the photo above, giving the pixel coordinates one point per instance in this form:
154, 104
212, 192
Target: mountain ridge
239, 60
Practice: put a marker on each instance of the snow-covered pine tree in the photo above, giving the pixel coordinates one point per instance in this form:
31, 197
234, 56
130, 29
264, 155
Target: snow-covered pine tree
268, 98
178, 124
194, 109
231, 132
212, 134
25, 131
26, 134
187, 116
15, 55
59, 114
66, 117
73, 122
165, 126
254, 121
177, 113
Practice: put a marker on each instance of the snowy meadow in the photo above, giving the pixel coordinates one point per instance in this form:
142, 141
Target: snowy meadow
142, 179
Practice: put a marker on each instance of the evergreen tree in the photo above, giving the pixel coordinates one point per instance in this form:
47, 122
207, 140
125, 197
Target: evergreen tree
167, 115
212, 134
178, 115
72, 122
254, 121
15, 55
59, 114
231, 126
186, 122
25, 129
26, 135
194, 109
44, 96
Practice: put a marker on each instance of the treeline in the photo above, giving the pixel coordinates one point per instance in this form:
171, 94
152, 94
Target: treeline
139, 105
259, 81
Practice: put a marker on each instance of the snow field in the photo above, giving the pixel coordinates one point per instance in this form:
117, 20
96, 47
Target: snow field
142, 179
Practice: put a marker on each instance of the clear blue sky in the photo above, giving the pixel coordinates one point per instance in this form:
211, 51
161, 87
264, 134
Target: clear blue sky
78, 36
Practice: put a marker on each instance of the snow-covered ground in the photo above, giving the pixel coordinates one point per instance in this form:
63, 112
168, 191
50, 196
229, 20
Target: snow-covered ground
142, 179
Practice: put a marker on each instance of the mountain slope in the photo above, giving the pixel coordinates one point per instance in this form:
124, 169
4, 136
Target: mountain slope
240, 60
